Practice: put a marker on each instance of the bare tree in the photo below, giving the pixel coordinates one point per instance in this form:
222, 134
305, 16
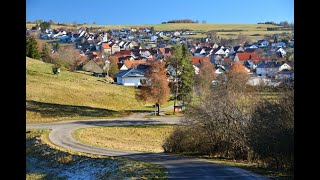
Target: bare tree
156, 89
219, 122
237, 77
69, 57
106, 67
203, 80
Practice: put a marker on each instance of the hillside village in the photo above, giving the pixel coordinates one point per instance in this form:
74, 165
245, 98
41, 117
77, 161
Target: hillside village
268, 61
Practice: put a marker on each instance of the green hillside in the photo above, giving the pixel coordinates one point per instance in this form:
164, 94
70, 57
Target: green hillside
74, 95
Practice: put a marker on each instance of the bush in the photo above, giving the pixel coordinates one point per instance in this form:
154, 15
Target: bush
271, 133
65, 159
185, 139
56, 69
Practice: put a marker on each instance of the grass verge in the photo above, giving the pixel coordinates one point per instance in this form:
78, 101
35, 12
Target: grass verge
145, 138
48, 161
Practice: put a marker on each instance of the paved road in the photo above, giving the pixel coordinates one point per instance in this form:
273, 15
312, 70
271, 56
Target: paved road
178, 167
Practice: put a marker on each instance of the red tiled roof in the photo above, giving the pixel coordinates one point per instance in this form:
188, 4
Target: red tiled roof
258, 58
247, 56
123, 52
115, 58
106, 46
227, 59
197, 59
134, 63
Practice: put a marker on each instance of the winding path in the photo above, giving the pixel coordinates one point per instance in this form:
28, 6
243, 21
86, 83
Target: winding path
178, 167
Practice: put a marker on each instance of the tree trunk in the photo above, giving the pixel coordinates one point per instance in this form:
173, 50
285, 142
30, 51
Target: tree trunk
158, 106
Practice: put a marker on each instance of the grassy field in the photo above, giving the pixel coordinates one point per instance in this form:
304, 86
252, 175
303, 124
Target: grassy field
146, 138
47, 161
254, 31
75, 95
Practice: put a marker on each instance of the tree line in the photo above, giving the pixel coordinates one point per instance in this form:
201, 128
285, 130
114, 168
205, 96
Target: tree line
184, 21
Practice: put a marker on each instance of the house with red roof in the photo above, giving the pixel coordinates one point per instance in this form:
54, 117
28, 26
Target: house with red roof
106, 48
196, 60
131, 64
245, 56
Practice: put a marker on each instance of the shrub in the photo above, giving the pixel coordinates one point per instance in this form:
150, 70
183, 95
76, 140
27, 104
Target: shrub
65, 159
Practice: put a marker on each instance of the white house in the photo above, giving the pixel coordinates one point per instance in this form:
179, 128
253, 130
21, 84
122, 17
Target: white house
253, 47
130, 77
177, 33
153, 38
267, 68
121, 44
236, 49
278, 44
220, 52
203, 51
285, 66
262, 43
226, 52
257, 81
285, 75
220, 70
280, 50
215, 45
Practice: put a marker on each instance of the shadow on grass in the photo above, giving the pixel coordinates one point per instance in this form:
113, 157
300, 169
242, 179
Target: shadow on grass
60, 110
32, 72
138, 111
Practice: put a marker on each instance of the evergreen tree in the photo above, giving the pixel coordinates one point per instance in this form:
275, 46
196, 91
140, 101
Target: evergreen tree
45, 55
185, 72
187, 75
44, 25
56, 46
275, 39
32, 48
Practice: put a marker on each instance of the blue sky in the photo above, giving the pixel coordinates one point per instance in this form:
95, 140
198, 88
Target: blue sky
109, 12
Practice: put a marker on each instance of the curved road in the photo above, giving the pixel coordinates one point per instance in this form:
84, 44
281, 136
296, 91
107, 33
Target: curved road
178, 167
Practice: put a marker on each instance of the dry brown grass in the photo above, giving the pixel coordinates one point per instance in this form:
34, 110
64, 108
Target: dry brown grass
74, 95
146, 138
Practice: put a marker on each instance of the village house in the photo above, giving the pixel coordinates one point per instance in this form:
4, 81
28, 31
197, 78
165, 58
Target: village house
267, 69
93, 67
131, 77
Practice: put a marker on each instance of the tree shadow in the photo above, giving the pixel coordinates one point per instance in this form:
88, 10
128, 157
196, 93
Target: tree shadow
60, 110
138, 111
32, 72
